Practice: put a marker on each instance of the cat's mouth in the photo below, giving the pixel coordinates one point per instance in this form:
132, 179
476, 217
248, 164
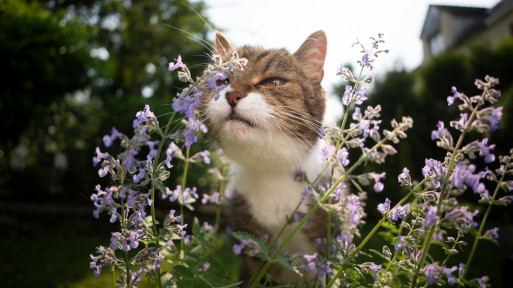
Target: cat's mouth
236, 117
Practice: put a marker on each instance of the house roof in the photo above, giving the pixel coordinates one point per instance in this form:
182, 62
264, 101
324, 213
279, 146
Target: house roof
476, 19
432, 20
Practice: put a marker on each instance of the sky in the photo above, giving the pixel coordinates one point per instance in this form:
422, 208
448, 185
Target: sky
287, 23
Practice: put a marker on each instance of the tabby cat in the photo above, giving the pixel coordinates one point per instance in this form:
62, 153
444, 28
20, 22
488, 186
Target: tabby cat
267, 121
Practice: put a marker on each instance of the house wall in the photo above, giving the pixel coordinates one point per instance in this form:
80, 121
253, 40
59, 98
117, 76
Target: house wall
493, 34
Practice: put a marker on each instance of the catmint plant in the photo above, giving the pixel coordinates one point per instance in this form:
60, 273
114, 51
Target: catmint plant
139, 172
431, 212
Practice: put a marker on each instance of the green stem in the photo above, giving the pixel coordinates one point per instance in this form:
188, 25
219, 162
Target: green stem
154, 174
481, 228
184, 182
221, 194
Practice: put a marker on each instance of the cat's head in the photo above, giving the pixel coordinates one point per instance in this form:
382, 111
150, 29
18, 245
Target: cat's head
271, 112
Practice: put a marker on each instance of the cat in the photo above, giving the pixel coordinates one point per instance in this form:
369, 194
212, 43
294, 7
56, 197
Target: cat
267, 120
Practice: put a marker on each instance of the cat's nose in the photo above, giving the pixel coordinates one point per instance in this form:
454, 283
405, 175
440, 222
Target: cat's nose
233, 98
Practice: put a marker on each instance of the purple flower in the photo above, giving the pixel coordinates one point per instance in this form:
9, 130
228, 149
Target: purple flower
495, 118
238, 248
456, 95
173, 66
404, 178
324, 269
342, 155
310, 262
460, 216
384, 207
435, 170
439, 132
378, 186
114, 240
399, 212
485, 150
189, 133
346, 98
144, 116
375, 270
205, 155
109, 139
492, 233
431, 271
187, 102
400, 243
430, 216
99, 156
448, 271
353, 206
326, 153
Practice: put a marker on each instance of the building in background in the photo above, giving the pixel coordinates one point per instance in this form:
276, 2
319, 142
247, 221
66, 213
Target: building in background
457, 28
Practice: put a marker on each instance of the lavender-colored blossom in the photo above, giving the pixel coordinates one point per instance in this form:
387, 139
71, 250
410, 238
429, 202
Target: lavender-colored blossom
189, 133
400, 244
482, 282
205, 155
495, 118
384, 207
485, 150
187, 102
461, 123
339, 191
346, 98
399, 212
448, 272
109, 139
144, 116
378, 186
310, 262
461, 217
439, 132
375, 270
404, 178
435, 170
456, 95
238, 248
326, 153
430, 216
492, 233
353, 206
432, 273
324, 268
178, 64
342, 155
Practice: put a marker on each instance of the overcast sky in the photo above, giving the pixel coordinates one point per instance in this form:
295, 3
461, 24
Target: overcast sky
287, 23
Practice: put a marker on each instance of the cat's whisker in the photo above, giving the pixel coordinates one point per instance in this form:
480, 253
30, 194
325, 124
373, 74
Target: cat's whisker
201, 17
290, 141
298, 120
206, 44
298, 113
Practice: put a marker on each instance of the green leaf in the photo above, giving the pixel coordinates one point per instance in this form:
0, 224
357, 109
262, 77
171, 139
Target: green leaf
184, 271
490, 239
196, 228
380, 254
262, 249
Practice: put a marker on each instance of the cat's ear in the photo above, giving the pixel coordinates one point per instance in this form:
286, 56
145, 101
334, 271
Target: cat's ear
312, 54
222, 44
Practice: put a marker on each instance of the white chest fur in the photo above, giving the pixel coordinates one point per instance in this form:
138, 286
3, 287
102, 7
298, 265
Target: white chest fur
272, 196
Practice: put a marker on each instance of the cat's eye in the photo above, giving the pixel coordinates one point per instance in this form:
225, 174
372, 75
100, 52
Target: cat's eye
272, 82
222, 82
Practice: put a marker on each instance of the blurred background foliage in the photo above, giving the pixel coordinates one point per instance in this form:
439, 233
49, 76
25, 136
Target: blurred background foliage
74, 69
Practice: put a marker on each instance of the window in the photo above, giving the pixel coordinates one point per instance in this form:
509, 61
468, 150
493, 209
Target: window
436, 44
